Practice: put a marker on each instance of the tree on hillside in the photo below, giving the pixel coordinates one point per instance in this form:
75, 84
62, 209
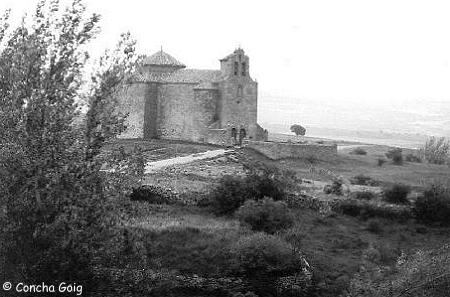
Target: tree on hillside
58, 216
298, 130
436, 150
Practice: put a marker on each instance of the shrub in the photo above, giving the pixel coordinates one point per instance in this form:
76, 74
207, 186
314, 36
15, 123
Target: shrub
232, 192
263, 254
425, 273
229, 195
433, 206
364, 180
374, 225
368, 209
396, 155
381, 254
152, 194
335, 188
397, 194
436, 150
265, 215
359, 151
364, 195
271, 265
413, 158
381, 161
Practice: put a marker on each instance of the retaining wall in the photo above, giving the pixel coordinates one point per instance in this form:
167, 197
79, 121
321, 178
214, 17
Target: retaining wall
281, 150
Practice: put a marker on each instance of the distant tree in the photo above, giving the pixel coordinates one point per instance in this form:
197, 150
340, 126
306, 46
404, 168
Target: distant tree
58, 218
298, 130
436, 150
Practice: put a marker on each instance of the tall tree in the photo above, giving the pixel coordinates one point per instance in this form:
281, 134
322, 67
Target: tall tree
58, 209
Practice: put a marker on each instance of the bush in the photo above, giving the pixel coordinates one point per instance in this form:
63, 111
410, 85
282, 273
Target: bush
265, 215
374, 225
359, 151
381, 254
381, 161
436, 150
364, 195
232, 192
396, 155
335, 188
152, 194
397, 194
265, 260
425, 274
413, 158
364, 180
434, 205
264, 254
368, 209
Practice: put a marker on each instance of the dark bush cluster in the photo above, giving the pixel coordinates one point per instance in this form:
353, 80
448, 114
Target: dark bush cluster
271, 263
381, 161
153, 194
359, 151
367, 209
364, 180
397, 194
232, 192
364, 195
413, 158
265, 215
396, 155
374, 225
433, 206
335, 188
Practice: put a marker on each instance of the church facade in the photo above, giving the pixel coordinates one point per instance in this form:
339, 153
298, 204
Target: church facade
166, 100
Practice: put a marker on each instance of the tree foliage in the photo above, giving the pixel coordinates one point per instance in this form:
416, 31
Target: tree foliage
436, 150
298, 130
59, 212
424, 274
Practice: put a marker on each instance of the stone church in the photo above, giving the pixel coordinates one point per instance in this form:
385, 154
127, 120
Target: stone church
166, 100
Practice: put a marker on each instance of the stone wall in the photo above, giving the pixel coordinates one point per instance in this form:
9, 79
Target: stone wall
281, 150
184, 113
219, 137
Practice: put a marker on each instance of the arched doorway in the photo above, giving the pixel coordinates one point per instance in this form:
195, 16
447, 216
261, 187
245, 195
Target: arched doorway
242, 135
234, 135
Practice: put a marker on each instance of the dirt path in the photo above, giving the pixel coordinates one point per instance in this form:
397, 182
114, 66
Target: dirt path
351, 146
157, 165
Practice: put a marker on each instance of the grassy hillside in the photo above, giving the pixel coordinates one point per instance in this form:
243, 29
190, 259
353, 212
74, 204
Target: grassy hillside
188, 239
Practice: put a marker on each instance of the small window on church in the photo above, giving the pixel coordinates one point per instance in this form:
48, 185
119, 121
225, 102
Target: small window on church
244, 69
236, 68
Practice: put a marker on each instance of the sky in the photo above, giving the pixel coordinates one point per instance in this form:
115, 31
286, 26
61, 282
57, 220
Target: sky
374, 53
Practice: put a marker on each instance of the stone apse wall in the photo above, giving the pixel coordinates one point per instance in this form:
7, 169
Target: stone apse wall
281, 150
185, 112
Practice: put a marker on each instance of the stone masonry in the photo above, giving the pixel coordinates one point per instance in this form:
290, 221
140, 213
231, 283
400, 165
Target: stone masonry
166, 100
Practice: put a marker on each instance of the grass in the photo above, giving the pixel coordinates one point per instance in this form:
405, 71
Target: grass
191, 240
414, 174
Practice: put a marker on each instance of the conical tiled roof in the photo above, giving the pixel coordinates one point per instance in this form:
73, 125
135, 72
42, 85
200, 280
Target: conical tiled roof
161, 58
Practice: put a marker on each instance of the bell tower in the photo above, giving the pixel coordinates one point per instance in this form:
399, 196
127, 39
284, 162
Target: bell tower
236, 64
